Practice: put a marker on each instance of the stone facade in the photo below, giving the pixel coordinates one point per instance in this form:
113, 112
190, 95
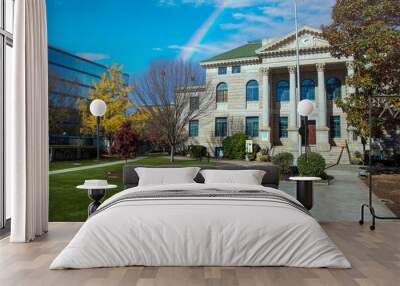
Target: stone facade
272, 64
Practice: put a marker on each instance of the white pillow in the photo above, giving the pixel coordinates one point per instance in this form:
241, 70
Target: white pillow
248, 177
166, 176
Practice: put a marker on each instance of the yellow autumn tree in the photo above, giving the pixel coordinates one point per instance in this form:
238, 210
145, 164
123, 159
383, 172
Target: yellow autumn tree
139, 118
114, 91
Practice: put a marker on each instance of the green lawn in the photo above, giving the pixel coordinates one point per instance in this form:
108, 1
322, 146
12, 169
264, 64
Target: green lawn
58, 165
70, 204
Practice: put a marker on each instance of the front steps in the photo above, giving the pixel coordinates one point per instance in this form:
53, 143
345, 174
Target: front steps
331, 157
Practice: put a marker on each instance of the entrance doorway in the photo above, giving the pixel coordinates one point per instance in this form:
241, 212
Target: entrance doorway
311, 133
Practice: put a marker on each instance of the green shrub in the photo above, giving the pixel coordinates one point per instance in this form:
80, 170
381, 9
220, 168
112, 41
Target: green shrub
263, 156
253, 155
356, 161
235, 146
314, 165
284, 161
357, 154
197, 151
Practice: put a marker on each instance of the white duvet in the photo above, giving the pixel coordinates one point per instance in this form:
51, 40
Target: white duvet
200, 232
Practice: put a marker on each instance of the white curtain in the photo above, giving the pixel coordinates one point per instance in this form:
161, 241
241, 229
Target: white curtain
27, 124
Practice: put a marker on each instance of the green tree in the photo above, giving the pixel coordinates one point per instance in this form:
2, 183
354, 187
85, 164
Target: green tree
235, 146
367, 31
113, 89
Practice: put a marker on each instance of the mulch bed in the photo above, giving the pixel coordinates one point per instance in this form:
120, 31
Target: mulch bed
387, 188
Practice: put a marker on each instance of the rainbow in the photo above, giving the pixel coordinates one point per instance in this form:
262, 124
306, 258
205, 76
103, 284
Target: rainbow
196, 39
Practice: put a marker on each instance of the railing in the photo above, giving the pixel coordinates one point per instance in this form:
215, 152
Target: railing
346, 146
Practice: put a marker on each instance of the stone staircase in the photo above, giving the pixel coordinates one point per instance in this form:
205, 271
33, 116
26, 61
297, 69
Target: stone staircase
331, 156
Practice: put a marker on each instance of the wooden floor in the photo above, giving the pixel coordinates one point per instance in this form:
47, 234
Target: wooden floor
375, 257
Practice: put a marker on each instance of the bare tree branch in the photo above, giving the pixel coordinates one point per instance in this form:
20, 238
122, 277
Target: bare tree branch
167, 90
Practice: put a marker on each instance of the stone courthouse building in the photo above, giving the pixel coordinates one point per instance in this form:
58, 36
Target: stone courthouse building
255, 89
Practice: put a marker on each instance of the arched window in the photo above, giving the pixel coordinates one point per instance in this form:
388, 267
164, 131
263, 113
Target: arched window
307, 89
282, 91
222, 92
252, 90
333, 88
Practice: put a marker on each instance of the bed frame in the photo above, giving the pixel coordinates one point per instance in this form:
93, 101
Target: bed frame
271, 178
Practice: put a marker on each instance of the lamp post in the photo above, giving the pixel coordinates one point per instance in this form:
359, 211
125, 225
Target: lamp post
297, 94
305, 108
98, 108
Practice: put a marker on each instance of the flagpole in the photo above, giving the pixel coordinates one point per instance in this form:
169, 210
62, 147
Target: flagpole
297, 95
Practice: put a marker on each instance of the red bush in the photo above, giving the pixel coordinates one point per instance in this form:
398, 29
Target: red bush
125, 141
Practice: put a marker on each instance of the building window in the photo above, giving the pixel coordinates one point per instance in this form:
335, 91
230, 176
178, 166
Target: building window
333, 88
283, 127
252, 126
221, 127
222, 70
222, 92
194, 103
282, 91
236, 69
252, 91
335, 127
307, 89
194, 128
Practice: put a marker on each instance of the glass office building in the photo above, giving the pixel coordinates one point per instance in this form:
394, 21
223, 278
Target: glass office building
70, 79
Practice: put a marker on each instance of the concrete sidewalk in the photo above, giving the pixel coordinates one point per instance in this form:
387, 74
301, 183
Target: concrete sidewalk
342, 199
62, 171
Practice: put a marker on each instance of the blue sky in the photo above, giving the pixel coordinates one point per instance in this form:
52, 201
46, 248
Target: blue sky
134, 33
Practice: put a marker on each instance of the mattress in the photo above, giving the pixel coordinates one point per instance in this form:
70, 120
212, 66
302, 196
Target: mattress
201, 225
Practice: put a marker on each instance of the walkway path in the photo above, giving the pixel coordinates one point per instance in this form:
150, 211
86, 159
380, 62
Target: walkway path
342, 199
62, 171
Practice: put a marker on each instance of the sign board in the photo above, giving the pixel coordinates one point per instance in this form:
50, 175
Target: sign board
249, 146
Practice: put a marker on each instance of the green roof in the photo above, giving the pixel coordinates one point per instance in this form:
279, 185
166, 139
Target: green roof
245, 51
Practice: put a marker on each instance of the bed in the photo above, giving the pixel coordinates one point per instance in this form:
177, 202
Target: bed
200, 224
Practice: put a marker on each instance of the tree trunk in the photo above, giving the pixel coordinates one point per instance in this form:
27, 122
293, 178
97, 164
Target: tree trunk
172, 158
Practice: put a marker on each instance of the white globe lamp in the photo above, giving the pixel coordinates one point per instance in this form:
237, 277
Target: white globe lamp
98, 108
305, 107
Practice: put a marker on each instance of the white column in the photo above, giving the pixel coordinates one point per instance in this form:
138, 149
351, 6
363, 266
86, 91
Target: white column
292, 98
350, 74
322, 130
322, 95
293, 129
265, 126
266, 97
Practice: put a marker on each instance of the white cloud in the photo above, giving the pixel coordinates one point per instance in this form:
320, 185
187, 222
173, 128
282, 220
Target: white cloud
277, 12
157, 49
183, 47
246, 20
230, 26
226, 3
252, 18
209, 49
94, 56
166, 2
